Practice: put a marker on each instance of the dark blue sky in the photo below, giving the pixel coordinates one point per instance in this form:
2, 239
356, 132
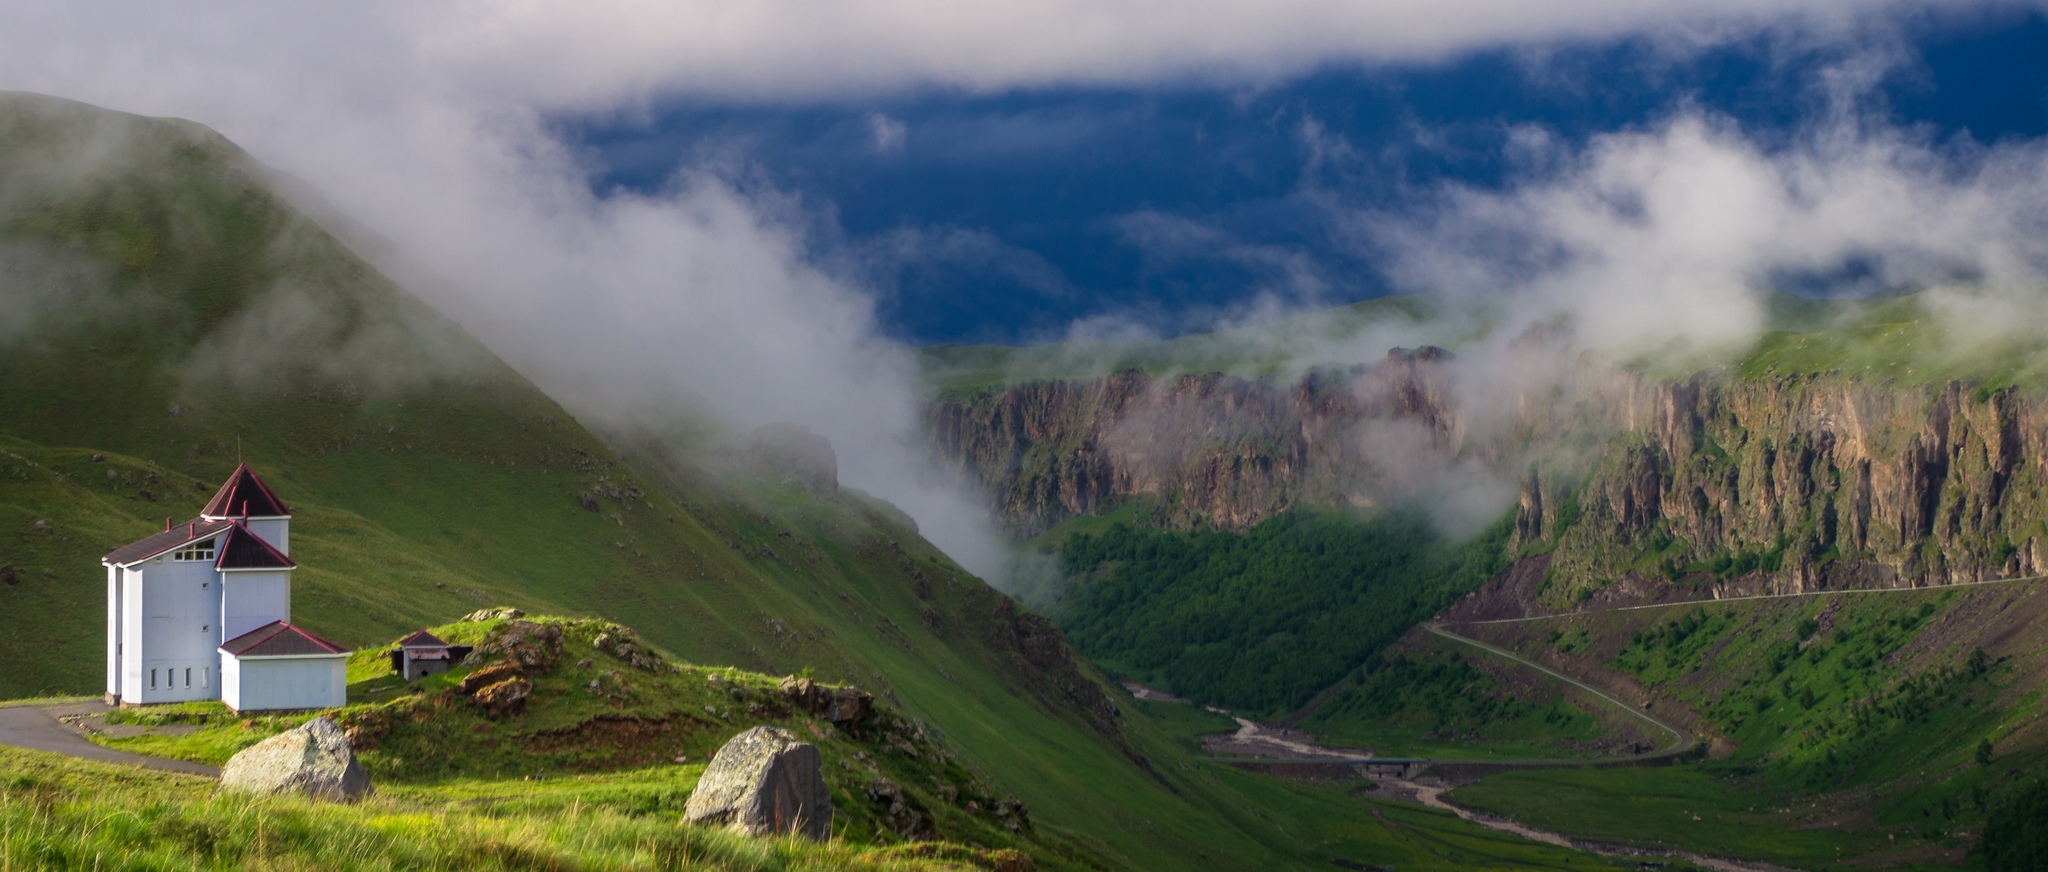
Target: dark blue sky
1006, 217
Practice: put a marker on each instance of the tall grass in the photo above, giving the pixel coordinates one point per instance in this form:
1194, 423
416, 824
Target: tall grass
64, 814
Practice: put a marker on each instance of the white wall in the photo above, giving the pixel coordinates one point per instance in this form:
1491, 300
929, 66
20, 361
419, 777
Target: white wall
261, 683
174, 610
278, 532
253, 598
114, 632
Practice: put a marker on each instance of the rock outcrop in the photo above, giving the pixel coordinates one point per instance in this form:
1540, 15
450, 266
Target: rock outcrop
1798, 482
312, 760
844, 706
1783, 482
1210, 449
764, 782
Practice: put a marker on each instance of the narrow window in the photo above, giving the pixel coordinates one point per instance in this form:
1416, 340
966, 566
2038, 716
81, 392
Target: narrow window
188, 676
152, 679
205, 676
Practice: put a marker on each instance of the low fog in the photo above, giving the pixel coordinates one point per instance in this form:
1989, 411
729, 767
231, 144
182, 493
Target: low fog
430, 128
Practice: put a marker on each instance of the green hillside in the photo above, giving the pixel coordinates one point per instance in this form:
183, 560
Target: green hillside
167, 315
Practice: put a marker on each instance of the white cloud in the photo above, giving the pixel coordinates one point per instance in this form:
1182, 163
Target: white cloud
427, 123
1667, 239
887, 133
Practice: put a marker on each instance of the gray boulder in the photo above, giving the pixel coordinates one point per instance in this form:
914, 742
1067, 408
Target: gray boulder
764, 782
313, 760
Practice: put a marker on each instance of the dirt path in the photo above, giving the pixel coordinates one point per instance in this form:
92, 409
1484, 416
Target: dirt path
1681, 741
1266, 740
36, 727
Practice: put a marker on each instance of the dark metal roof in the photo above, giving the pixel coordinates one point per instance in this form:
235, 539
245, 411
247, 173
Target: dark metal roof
422, 639
176, 537
245, 496
279, 639
241, 549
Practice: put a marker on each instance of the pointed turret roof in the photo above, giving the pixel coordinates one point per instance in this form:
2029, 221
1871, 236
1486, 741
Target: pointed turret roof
245, 496
241, 549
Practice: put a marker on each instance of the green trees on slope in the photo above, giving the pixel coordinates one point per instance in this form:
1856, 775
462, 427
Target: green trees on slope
1261, 621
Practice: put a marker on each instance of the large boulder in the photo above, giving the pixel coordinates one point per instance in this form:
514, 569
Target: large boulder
313, 760
764, 782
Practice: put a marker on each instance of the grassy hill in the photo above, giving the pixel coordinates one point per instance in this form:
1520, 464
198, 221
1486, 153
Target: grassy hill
166, 314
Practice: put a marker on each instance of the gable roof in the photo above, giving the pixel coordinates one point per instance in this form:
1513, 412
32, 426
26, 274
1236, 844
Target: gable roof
241, 549
279, 639
422, 639
245, 496
168, 540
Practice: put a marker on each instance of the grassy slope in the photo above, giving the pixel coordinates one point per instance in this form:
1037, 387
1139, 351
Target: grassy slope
429, 480
1849, 723
1427, 696
57, 812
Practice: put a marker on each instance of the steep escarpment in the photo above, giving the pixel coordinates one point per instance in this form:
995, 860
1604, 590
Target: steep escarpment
1633, 482
1211, 449
1796, 482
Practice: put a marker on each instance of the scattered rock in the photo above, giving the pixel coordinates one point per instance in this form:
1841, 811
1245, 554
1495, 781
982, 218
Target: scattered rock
96, 458
533, 646
313, 760
620, 642
42, 524
764, 782
844, 706
588, 502
903, 816
363, 727
10, 575
848, 706
499, 613
488, 676
504, 698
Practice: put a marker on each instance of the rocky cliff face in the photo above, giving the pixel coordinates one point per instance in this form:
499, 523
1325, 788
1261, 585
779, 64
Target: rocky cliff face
1777, 483
1210, 449
1802, 481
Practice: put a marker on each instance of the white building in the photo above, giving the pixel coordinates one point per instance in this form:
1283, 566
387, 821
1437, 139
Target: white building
188, 610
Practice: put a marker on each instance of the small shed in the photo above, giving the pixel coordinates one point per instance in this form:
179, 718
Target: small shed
422, 654
279, 666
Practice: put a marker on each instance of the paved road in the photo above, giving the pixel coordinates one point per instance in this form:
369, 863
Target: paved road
36, 727
1854, 591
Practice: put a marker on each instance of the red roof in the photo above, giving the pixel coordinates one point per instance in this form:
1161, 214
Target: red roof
279, 639
241, 549
173, 538
245, 496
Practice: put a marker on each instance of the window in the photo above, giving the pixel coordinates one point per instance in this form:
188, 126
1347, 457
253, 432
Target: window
152, 679
188, 676
205, 676
195, 551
